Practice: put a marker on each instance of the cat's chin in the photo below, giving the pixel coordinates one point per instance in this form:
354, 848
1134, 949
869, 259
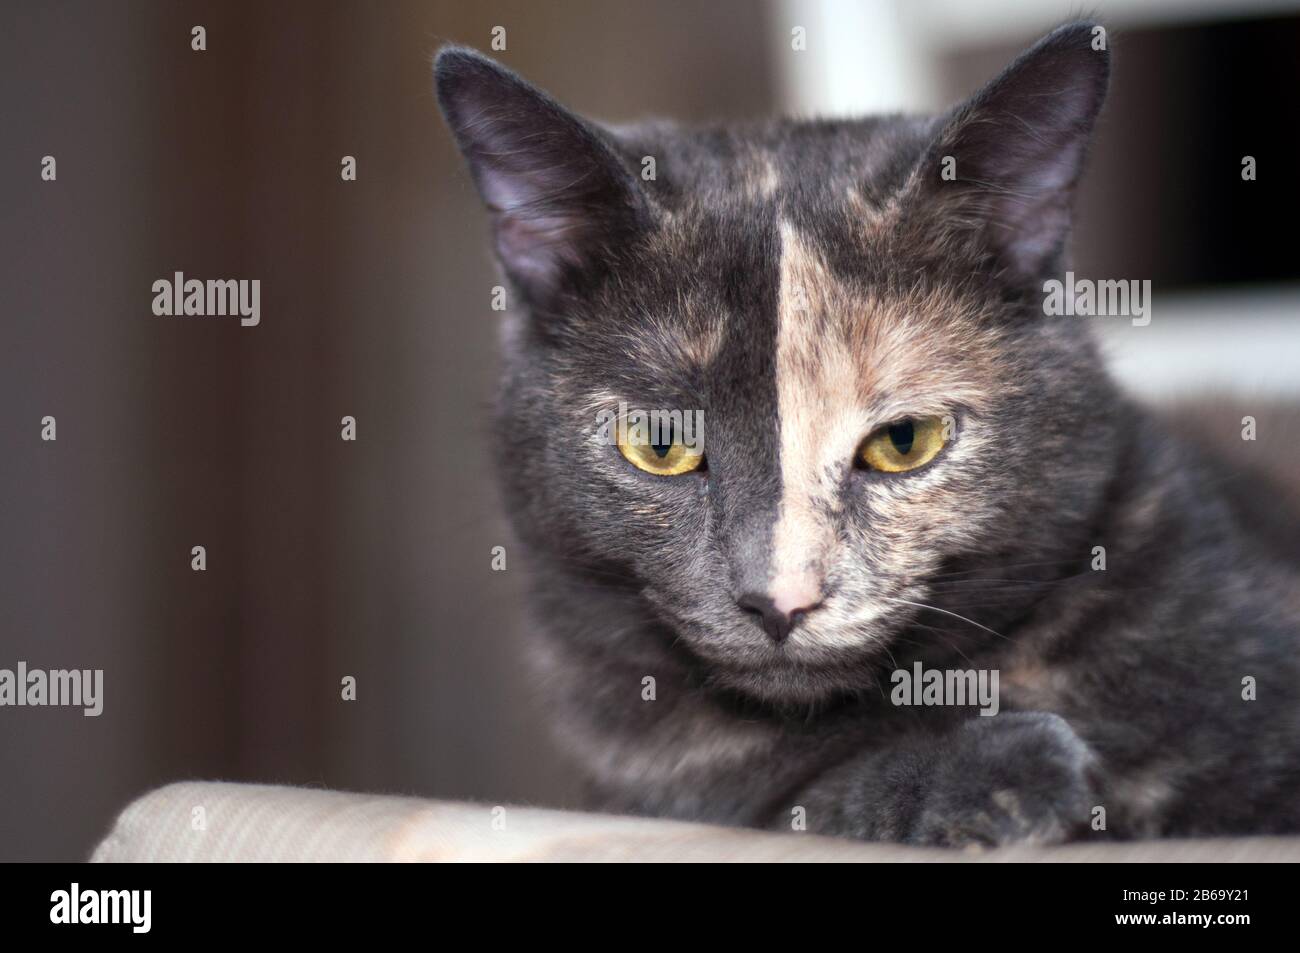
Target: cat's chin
793, 685
813, 666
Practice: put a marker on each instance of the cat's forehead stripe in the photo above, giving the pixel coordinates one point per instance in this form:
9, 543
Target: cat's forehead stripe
818, 388
761, 177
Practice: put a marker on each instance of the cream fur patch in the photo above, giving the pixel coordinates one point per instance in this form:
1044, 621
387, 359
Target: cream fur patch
847, 363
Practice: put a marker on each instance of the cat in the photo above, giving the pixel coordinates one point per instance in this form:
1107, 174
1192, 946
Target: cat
905, 461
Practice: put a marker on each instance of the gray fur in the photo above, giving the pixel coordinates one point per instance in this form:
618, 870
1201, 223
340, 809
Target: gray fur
1120, 688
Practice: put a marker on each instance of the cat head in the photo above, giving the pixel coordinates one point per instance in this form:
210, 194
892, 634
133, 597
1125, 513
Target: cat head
850, 312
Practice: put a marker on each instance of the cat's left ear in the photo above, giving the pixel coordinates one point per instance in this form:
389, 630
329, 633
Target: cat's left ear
1006, 163
562, 201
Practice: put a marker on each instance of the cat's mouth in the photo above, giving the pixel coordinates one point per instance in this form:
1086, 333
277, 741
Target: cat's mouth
839, 653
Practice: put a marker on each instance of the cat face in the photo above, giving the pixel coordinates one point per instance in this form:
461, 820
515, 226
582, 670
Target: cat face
882, 400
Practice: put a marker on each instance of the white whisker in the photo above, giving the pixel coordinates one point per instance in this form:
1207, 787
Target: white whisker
922, 605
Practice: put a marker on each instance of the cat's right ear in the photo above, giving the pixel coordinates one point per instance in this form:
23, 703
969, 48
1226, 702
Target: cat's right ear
1006, 164
562, 202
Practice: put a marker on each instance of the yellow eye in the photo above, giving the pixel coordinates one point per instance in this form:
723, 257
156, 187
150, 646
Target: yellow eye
905, 444
661, 459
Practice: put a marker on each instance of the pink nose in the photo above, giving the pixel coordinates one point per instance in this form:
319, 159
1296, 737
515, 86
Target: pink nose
794, 595
781, 607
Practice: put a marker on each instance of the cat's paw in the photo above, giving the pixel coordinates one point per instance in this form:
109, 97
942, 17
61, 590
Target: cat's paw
1009, 779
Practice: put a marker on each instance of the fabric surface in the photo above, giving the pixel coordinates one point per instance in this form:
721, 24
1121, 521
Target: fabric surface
216, 821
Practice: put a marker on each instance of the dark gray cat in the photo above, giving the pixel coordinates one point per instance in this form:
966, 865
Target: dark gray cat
906, 462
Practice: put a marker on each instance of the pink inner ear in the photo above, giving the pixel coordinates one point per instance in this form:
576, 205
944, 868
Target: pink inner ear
542, 202
536, 248
1021, 168
1033, 216
558, 190
1019, 147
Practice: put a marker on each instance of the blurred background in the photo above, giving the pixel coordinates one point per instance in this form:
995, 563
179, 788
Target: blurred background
372, 559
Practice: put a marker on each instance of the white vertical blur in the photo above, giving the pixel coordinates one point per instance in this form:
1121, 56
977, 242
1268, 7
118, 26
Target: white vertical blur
862, 56
873, 56
1244, 342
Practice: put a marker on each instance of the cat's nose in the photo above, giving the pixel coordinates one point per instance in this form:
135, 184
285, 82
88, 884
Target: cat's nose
778, 612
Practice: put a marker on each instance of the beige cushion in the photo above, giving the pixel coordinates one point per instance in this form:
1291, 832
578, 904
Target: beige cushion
215, 821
